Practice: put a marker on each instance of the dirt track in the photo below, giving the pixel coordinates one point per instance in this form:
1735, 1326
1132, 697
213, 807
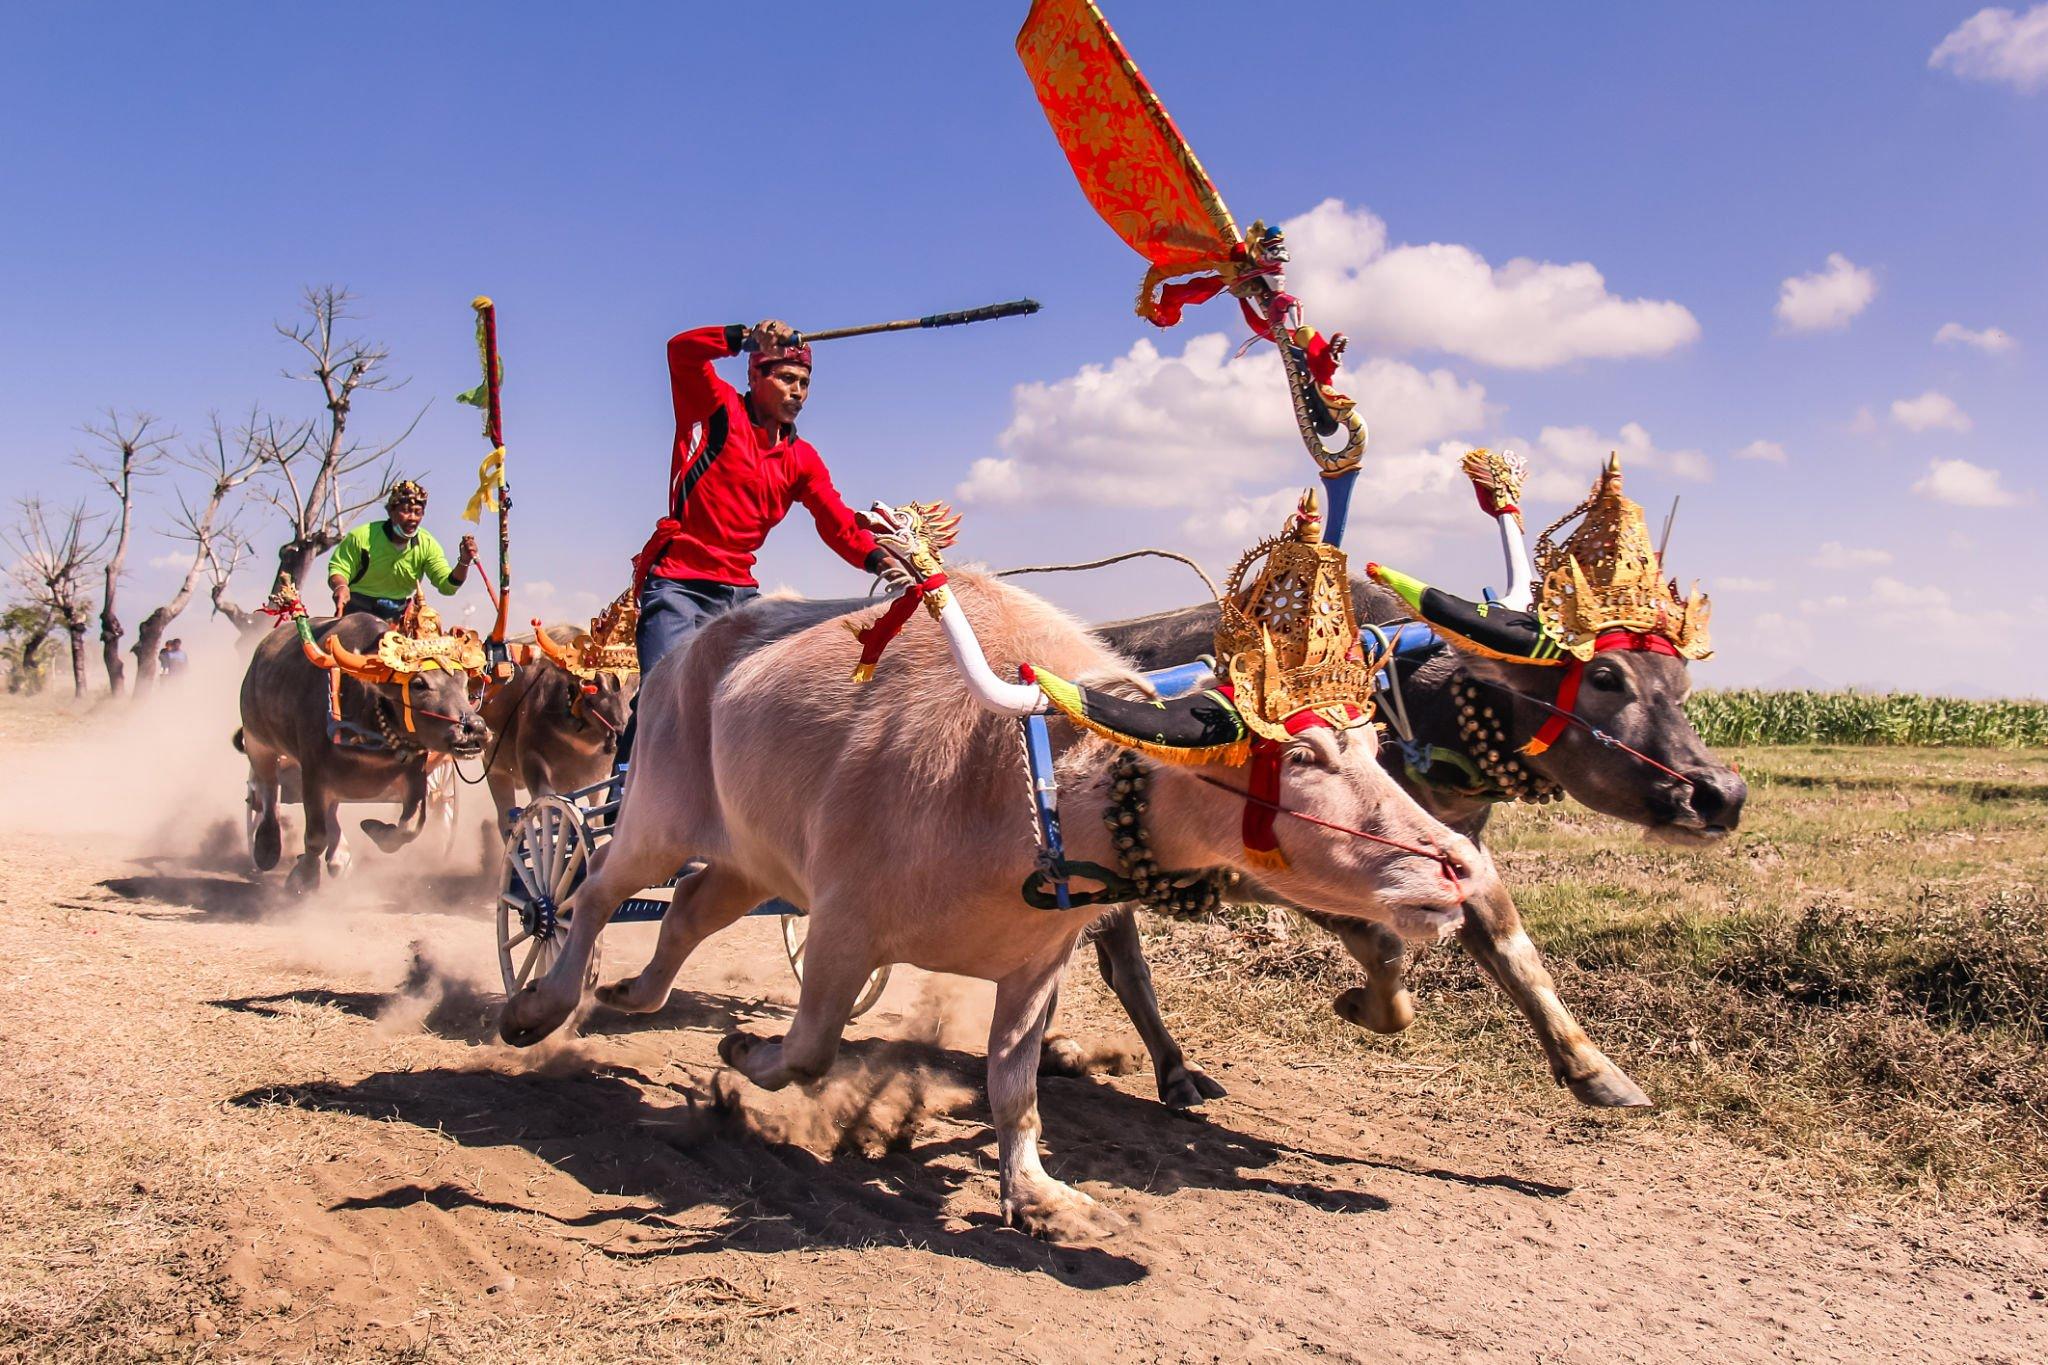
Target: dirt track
258, 1130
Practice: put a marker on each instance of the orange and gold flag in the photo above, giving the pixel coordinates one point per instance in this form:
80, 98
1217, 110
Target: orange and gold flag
1132, 162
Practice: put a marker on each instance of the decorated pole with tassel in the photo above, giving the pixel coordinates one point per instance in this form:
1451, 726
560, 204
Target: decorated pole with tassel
493, 491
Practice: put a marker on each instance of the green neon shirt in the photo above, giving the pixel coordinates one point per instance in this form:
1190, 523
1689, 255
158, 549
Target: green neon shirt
374, 565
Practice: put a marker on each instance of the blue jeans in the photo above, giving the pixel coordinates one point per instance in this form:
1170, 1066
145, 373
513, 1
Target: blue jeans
671, 611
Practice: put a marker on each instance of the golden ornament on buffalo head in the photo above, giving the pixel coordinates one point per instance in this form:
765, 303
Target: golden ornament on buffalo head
608, 646
1606, 576
417, 643
1288, 641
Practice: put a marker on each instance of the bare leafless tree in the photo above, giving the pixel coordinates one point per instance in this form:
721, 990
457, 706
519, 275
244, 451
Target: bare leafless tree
131, 448
229, 551
226, 461
323, 480
55, 557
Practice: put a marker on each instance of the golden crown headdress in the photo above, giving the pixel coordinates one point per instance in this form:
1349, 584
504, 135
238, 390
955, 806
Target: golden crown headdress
1289, 641
607, 647
1606, 576
417, 643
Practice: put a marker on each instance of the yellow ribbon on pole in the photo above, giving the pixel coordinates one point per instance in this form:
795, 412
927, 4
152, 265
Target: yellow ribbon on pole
490, 476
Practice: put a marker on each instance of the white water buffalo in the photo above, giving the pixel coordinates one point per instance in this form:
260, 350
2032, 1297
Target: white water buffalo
286, 719
896, 811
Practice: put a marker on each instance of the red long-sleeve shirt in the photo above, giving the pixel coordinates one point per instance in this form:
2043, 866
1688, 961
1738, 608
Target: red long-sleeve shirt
717, 523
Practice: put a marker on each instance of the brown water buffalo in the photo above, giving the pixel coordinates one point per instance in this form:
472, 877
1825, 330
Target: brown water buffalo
895, 812
286, 721
1636, 698
552, 731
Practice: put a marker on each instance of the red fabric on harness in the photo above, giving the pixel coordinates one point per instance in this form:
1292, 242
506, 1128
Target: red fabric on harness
1567, 702
1263, 784
875, 637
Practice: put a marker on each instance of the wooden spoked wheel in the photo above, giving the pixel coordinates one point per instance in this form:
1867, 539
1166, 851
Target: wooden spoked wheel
442, 804
546, 855
795, 930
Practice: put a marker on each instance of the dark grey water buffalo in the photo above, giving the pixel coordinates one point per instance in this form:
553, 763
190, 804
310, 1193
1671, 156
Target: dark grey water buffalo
1634, 697
286, 723
553, 731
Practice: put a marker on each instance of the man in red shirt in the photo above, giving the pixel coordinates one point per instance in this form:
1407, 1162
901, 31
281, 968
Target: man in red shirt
736, 469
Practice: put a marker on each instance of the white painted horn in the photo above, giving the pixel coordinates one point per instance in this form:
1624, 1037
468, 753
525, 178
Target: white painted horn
1521, 590
1003, 698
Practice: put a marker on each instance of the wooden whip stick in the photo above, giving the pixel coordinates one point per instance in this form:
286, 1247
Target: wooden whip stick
1016, 308
494, 432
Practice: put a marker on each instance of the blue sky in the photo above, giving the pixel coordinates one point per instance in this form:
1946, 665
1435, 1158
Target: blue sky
611, 174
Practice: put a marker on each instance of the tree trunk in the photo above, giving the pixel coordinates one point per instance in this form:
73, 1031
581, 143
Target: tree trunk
27, 676
149, 637
77, 634
110, 640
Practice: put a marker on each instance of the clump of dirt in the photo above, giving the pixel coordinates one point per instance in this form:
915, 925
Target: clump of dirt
880, 1101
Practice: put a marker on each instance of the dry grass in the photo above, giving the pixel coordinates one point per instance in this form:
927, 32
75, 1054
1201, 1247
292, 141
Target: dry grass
1860, 981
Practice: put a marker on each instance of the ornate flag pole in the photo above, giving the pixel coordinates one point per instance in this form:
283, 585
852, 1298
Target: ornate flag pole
1139, 173
492, 489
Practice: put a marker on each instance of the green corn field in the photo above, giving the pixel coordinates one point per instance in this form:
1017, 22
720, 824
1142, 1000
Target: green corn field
1750, 716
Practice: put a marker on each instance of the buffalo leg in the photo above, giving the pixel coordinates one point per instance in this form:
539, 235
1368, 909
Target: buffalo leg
639, 855
1383, 1004
412, 816
504, 796
324, 845
707, 900
267, 844
836, 966
1032, 1199
1120, 954
1493, 934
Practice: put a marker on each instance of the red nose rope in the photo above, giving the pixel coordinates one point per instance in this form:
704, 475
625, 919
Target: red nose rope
1564, 712
1273, 807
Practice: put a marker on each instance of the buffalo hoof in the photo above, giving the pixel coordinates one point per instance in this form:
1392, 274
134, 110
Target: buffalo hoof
630, 996
386, 836
1374, 1010
1060, 1055
1608, 1089
527, 1018
267, 847
1059, 1213
305, 876
1187, 1086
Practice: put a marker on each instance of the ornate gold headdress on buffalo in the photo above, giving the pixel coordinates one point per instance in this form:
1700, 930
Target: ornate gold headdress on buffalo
607, 647
1288, 642
417, 643
1607, 577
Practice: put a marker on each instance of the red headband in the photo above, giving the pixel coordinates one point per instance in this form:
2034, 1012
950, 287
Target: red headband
763, 360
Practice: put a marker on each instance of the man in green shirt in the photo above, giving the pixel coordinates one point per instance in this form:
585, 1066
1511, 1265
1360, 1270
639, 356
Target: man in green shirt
379, 564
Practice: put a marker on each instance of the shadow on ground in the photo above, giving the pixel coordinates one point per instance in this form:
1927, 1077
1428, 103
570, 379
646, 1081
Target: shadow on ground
699, 1176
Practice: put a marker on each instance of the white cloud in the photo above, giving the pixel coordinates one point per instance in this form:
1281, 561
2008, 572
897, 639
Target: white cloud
1151, 430
1523, 315
1864, 423
1998, 45
1962, 484
1399, 505
1992, 340
1770, 452
1835, 555
1565, 458
1931, 614
1826, 298
1930, 411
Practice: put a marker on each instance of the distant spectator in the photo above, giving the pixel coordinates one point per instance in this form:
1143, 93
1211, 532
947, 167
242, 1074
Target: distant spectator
170, 660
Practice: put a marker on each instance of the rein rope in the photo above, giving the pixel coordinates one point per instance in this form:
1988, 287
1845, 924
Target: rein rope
1178, 558
1442, 860
1564, 712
